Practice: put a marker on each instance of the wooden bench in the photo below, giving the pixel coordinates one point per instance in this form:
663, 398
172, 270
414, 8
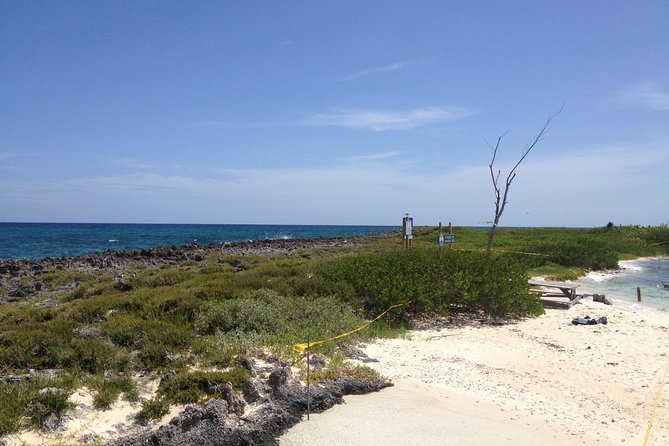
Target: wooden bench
549, 295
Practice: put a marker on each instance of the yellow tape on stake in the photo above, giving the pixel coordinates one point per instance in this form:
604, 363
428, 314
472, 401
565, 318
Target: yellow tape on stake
303, 347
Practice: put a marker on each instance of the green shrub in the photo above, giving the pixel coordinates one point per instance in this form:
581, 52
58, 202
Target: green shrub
656, 235
83, 291
585, 253
265, 317
159, 357
435, 281
92, 356
108, 390
14, 401
153, 409
38, 346
179, 308
132, 331
46, 402
244, 315
165, 277
191, 387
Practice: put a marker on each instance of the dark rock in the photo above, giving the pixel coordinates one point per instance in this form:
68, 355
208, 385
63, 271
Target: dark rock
273, 359
14, 379
52, 423
353, 352
168, 376
251, 391
601, 298
317, 361
215, 410
89, 438
236, 404
14, 288
249, 364
122, 285
221, 424
279, 378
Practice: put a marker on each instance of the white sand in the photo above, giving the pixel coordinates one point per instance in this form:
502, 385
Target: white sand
108, 424
540, 381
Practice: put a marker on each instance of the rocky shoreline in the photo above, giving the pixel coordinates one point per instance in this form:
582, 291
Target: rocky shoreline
20, 279
271, 402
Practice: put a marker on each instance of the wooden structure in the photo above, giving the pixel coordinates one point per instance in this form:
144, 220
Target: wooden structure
551, 297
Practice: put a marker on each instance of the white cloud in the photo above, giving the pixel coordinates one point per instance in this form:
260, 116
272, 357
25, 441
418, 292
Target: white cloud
374, 157
648, 95
376, 70
622, 183
384, 120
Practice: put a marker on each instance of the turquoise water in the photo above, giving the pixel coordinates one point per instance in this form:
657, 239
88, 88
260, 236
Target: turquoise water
39, 240
648, 274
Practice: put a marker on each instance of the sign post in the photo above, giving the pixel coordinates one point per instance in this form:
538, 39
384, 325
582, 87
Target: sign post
407, 230
448, 238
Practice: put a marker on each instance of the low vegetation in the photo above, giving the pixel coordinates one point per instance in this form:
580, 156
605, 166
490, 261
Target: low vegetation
434, 281
204, 315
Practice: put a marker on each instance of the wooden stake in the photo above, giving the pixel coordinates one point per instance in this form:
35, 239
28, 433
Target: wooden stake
308, 376
450, 231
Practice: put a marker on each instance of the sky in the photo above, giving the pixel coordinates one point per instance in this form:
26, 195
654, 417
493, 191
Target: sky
333, 112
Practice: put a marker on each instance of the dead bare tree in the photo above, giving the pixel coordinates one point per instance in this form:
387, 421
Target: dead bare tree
501, 199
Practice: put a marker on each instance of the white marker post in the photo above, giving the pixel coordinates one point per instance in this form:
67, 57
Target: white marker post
407, 230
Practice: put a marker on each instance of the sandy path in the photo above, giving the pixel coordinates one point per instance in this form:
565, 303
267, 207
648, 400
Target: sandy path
411, 413
539, 381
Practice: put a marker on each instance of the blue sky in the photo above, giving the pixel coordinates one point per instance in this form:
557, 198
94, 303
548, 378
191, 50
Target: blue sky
333, 112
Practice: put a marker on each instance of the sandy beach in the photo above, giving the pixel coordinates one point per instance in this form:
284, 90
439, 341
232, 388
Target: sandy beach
537, 381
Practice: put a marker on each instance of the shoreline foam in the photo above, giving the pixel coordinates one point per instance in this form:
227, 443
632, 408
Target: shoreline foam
620, 285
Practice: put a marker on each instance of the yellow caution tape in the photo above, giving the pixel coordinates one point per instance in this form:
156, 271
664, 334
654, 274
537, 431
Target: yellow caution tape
503, 250
303, 347
657, 400
521, 252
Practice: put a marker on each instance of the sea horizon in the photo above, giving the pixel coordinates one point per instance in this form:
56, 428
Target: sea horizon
38, 240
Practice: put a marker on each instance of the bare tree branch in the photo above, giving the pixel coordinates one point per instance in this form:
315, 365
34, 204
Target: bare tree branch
501, 200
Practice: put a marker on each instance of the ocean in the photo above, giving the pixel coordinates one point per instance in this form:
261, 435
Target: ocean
39, 240
647, 273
